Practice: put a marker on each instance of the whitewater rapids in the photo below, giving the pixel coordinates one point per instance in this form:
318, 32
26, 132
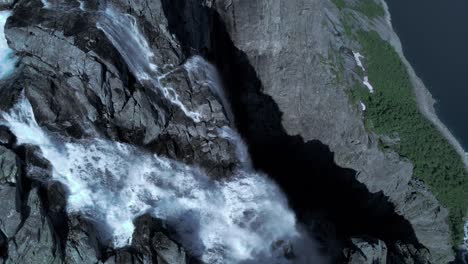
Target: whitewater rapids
229, 221
7, 59
244, 219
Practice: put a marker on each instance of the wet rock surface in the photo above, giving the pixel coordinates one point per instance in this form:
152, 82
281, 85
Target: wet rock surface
298, 124
98, 94
291, 79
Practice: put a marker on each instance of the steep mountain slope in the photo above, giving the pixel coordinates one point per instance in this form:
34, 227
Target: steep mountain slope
119, 140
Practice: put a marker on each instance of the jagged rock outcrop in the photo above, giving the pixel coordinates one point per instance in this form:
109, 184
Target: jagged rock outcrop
366, 251
9, 166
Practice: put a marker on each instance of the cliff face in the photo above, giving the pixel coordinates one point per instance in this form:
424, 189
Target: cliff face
87, 74
295, 48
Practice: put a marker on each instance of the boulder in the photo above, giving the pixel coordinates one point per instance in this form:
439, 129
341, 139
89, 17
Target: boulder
10, 168
368, 251
7, 138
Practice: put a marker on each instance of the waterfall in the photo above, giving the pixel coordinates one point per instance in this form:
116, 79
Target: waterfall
228, 221
122, 30
82, 5
357, 58
203, 73
242, 152
242, 219
7, 59
45, 3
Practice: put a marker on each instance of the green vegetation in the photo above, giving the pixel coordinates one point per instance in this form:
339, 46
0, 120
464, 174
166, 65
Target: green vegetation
370, 8
393, 110
339, 3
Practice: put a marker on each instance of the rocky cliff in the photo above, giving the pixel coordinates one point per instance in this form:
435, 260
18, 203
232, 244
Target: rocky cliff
294, 48
177, 78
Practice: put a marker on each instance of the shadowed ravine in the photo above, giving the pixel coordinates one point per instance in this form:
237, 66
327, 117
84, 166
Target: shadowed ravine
318, 190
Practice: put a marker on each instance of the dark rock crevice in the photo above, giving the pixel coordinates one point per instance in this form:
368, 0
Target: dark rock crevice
316, 187
3, 246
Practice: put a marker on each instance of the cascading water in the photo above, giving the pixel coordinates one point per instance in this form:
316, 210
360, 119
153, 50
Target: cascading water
244, 219
123, 32
45, 3
203, 73
229, 221
7, 60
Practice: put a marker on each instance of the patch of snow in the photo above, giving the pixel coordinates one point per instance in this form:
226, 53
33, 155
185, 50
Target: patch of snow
357, 57
368, 84
363, 106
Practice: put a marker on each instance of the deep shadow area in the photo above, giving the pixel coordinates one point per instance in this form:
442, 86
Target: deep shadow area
306, 171
3, 246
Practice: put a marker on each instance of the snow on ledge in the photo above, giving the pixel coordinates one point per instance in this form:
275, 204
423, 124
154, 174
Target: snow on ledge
363, 106
357, 58
368, 84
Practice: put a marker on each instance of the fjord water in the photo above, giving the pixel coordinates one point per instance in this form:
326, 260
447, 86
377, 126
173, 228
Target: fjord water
434, 35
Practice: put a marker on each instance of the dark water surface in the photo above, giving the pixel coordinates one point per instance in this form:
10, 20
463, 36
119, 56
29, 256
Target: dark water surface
434, 34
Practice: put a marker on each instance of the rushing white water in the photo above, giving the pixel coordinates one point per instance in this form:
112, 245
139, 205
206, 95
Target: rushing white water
241, 149
82, 5
231, 221
7, 59
244, 219
203, 73
122, 30
45, 3
64, 5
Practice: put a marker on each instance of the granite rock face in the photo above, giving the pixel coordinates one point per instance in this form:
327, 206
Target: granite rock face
275, 59
293, 46
368, 252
